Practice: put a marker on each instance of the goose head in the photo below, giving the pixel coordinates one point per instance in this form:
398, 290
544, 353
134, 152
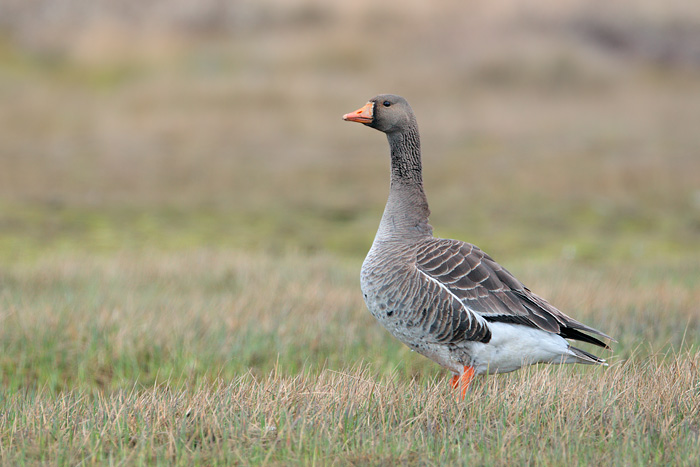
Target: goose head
386, 112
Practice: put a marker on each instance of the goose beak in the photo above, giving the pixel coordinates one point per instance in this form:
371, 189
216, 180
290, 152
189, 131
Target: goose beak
363, 115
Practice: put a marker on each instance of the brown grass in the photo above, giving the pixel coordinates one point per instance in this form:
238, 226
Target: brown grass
355, 416
230, 357
183, 214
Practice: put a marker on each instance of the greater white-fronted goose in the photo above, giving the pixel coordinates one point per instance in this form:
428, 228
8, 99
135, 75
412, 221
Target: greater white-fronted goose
447, 299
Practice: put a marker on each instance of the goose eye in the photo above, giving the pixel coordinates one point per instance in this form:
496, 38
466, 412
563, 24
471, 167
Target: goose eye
386, 103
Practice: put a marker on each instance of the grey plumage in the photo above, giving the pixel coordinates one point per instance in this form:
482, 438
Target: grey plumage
446, 298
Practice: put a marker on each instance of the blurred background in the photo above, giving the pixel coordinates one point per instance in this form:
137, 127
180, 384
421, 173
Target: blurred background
555, 130
184, 213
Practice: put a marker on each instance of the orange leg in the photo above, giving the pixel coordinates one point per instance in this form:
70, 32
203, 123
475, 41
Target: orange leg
463, 380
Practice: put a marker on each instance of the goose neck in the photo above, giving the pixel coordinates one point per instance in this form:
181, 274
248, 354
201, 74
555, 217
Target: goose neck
406, 165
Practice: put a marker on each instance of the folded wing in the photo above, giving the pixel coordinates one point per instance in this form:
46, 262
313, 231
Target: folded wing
489, 290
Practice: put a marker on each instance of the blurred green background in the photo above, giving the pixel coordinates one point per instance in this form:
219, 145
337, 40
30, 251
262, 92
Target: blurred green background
566, 130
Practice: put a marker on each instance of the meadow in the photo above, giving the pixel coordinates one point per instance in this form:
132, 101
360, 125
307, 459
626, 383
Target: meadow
183, 216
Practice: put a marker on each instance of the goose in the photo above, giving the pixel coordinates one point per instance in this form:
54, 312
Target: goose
447, 299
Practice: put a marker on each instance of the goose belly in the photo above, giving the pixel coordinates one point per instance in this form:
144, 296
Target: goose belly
413, 335
391, 314
404, 325
386, 303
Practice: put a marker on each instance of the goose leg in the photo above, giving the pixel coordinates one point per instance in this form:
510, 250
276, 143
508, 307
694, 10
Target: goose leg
463, 380
454, 382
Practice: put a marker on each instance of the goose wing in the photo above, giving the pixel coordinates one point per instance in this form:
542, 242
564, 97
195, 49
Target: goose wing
489, 290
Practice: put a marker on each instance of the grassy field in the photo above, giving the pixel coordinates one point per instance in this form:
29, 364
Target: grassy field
183, 216
219, 356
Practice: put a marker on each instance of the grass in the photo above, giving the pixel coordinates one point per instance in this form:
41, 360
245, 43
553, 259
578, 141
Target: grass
220, 357
360, 417
183, 216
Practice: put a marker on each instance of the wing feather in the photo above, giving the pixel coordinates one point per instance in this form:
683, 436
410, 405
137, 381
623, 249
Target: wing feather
487, 289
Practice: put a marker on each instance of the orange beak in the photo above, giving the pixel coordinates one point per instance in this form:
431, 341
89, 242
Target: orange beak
363, 115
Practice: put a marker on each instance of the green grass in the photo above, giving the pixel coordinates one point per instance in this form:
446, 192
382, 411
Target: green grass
183, 216
360, 417
560, 229
220, 356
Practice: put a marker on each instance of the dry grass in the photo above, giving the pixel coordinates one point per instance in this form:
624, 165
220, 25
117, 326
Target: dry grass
357, 417
183, 215
227, 357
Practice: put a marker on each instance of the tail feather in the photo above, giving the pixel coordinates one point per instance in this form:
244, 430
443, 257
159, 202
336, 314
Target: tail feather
588, 358
572, 333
